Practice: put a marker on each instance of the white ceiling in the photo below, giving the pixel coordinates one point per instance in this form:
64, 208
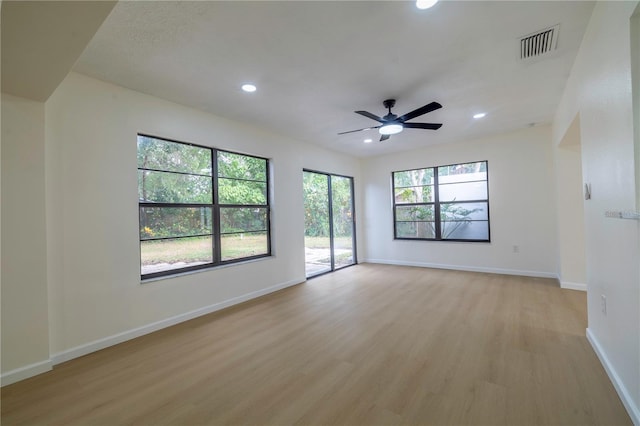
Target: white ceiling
316, 62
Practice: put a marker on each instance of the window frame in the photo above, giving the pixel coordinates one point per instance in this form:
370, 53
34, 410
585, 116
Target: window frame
436, 204
216, 234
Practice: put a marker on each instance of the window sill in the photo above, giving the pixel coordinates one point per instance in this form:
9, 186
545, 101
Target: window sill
211, 268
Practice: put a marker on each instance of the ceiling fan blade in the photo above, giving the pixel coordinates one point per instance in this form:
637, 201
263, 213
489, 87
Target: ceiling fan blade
430, 126
371, 116
359, 130
422, 110
384, 137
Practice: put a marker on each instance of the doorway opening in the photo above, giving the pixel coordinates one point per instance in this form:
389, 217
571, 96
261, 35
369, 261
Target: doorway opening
329, 222
572, 191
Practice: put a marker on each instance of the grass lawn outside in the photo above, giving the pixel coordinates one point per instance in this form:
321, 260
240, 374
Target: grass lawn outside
171, 254
183, 252
187, 250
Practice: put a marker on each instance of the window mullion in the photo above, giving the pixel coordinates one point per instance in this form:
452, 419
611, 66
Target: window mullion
268, 206
217, 236
172, 205
144, 169
436, 205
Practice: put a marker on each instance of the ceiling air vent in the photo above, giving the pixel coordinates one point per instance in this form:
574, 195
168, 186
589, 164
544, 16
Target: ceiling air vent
539, 43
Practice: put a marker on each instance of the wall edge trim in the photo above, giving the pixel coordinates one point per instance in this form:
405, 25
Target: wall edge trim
115, 339
573, 286
25, 372
537, 274
632, 409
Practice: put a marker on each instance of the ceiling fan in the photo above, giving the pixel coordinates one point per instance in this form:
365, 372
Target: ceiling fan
392, 124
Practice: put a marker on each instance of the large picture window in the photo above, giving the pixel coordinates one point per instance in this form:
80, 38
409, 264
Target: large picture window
199, 206
442, 203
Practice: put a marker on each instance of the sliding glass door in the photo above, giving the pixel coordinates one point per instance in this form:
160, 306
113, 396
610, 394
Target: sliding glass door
343, 247
317, 224
329, 222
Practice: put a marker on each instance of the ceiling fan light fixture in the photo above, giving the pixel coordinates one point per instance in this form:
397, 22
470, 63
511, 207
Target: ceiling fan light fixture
425, 4
249, 88
390, 129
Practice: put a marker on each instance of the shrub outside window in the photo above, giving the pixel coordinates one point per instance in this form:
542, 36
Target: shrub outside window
442, 203
199, 207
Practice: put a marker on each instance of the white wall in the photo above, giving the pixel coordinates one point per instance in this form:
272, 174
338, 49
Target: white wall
599, 90
572, 261
93, 274
521, 200
25, 331
0, 201
635, 77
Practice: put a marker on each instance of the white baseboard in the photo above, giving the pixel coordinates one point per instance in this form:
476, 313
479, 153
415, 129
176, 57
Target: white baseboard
623, 392
99, 344
573, 286
537, 274
25, 372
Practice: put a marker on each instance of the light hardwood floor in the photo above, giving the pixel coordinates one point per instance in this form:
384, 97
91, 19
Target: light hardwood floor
370, 344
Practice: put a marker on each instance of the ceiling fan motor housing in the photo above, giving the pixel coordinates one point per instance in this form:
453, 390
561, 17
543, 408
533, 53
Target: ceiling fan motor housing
389, 103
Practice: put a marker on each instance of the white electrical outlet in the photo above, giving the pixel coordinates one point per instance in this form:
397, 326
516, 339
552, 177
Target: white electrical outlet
516, 249
603, 303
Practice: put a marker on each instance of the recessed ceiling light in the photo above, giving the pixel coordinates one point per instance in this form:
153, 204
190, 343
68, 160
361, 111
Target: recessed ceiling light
249, 88
479, 115
368, 140
425, 4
